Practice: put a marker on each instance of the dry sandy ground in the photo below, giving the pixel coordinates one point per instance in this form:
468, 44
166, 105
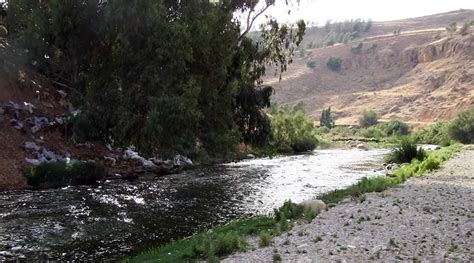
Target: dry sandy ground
428, 219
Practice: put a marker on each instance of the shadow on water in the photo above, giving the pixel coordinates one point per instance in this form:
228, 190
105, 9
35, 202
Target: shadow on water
119, 218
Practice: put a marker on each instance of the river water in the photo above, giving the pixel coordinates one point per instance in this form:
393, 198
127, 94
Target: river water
119, 218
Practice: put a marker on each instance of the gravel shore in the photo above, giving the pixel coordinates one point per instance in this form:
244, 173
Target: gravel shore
428, 218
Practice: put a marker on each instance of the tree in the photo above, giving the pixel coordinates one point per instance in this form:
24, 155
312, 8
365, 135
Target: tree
326, 119
452, 28
464, 29
134, 84
368, 118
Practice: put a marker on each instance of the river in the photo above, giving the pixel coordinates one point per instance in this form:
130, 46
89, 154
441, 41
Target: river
120, 218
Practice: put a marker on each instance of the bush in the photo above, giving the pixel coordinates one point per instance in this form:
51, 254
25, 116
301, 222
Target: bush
304, 144
396, 127
292, 130
405, 152
357, 49
58, 174
462, 127
368, 118
311, 64
452, 28
437, 133
464, 29
334, 63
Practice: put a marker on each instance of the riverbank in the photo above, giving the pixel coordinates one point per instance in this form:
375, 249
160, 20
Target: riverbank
180, 250
426, 218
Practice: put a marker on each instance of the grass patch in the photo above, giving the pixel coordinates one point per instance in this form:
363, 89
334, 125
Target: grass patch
381, 183
223, 240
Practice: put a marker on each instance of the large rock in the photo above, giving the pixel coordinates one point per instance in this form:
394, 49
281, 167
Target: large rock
316, 205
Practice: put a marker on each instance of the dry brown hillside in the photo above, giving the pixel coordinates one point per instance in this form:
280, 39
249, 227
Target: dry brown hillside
421, 75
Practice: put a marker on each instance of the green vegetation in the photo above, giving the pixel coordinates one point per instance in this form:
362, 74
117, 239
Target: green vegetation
381, 183
462, 127
452, 28
166, 76
311, 64
59, 173
397, 31
343, 32
326, 119
223, 240
3, 31
291, 130
368, 118
334, 63
357, 49
405, 152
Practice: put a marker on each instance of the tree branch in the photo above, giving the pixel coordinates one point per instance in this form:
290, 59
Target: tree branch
250, 20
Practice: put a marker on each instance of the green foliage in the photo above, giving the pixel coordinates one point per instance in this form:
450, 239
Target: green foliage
344, 32
368, 118
452, 28
326, 119
264, 239
373, 47
436, 133
311, 64
406, 151
357, 49
135, 85
462, 127
334, 63
395, 128
292, 130
60, 173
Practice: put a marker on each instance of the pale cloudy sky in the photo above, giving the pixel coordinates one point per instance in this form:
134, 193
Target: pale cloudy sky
378, 10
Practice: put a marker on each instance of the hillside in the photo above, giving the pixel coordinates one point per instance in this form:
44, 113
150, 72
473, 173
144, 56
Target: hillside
421, 75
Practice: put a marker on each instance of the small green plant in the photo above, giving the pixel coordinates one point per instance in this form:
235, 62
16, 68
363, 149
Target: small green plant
368, 118
265, 239
392, 243
405, 152
334, 63
317, 239
276, 257
464, 29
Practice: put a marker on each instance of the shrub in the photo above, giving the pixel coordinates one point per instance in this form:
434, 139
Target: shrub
406, 151
311, 64
292, 130
334, 63
368, 118
452, 28
437, 133
304, 144
58, 174
462, 127
357, 49
265, 239
396, 127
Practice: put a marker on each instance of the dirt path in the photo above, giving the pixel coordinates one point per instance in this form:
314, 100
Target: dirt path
429, 218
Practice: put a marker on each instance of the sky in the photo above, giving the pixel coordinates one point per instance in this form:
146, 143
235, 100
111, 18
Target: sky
320, 11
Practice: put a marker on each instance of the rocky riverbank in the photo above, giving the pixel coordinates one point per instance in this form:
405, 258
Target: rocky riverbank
428, 218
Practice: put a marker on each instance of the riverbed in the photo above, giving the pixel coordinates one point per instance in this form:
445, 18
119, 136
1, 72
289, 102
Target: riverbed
120, 218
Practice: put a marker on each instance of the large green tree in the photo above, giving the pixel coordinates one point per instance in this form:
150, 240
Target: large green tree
168, 76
